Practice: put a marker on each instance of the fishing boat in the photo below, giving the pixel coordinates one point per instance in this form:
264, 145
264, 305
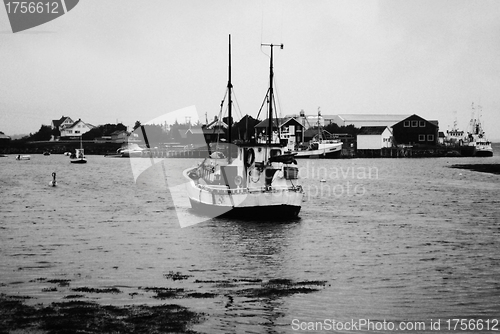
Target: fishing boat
321, 148
455, 136
476, 139
247, 180
322, 145
130, 150
23, 157
79, 156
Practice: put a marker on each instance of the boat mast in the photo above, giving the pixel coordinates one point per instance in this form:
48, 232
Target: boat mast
472, 124
479, 125
320, 137
303, 115
271, 74
229, 107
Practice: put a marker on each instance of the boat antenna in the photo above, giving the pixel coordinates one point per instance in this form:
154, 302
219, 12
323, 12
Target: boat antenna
320, 135
271, 75
479, 115
472, 124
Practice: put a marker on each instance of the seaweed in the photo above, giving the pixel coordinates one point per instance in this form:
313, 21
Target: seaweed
94, 290
176, 276
73, 296
201, 295
280, 287
89, 317
166, 293
60, 282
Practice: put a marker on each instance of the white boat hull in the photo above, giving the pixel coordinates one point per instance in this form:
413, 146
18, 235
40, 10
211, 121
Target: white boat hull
483, 151
329, 152
253, 205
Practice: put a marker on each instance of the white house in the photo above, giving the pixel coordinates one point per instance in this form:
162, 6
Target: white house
61, 123
374, 138
76, 129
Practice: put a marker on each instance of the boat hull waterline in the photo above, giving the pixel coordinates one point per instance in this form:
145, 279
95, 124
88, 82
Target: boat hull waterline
255, 204
327, 153
275, 212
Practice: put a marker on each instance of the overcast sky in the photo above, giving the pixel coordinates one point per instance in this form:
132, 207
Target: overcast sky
121, 60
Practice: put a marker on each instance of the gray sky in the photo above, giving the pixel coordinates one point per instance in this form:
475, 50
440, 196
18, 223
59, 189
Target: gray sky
120, 60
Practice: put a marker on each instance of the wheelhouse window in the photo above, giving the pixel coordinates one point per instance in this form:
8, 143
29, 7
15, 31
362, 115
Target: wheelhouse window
275, 152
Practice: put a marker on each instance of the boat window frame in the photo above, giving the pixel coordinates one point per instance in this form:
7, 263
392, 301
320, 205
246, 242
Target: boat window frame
275, 152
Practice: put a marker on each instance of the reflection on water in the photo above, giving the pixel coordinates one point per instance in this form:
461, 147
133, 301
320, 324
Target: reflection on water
419, 243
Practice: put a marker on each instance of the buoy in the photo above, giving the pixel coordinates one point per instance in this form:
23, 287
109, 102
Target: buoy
53, 183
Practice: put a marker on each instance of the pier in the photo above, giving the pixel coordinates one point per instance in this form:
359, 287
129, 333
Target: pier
416, 152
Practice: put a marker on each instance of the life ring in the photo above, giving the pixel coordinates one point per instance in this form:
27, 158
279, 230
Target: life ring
255, 175
250, 157
238, 180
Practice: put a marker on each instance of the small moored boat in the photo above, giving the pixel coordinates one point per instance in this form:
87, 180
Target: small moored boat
79, 157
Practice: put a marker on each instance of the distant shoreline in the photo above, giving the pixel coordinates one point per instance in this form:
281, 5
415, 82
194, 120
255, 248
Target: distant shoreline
483, 168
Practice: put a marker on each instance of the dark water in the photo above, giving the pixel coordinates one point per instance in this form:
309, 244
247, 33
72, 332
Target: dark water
394, 239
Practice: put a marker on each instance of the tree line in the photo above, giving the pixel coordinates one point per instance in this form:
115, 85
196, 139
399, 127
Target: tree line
242, 130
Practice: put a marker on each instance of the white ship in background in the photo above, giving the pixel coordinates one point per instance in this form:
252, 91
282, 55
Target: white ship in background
472, 143
476, 137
